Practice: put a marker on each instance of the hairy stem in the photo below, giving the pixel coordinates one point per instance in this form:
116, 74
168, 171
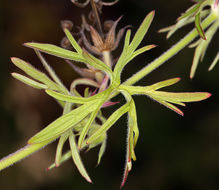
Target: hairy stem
22, 153
171, 52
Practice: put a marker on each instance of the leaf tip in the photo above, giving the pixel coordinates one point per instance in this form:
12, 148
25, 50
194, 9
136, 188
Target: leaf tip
178, 111
13, 74
208, 95
191, 76
152, 12
15, 59
178, 79
30, 141
89, 180
153, 46
27, 44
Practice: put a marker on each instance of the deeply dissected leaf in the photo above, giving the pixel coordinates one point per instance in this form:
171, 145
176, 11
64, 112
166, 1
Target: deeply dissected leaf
181, 96
209, 35
73, 41
109, 122
63, 123
29, 81
56, 51
140, 51
128, 50
196, 58
163, 84
84, 81
34, 73
181, 23
168, 105
67, 98
202, 47
86, 127
62, 140
128, 161
127, 40
192, 10
96, 63
101, 151
141, 32
76, 157
133, 124
166, 98
66, 156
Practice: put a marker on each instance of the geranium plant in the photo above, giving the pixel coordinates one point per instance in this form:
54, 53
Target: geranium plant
82, 123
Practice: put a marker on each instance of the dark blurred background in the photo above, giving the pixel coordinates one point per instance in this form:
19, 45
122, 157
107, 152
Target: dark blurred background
173, 152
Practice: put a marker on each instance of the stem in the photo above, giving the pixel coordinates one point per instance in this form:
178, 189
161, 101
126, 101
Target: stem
107, 58
28, 149
171, 52
21, 154
108, 61
95, 11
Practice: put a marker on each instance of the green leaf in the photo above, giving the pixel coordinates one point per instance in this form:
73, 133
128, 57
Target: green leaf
128, 161
140, 51
84, 81
127, 40
64, 123
101, 151
181, 96
76, 158
59, 148
96, 63
168, 105
163, 84
196, 58
56, 51
86, 127
67, 98
29, 81
141, 32
109, 122
202, 47
133, 122
199, 27
181, 23
128, 50
34, 73
73, 41
63, 159
66, 54
209, 35
177, 98
191, 11
214, 62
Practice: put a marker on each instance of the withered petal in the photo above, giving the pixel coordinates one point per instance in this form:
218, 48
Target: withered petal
109, 3
119, 36
80, 4
89, 47
110, 39
87, 73
96, 38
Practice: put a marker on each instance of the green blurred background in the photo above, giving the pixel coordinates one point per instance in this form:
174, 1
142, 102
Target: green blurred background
173, 152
